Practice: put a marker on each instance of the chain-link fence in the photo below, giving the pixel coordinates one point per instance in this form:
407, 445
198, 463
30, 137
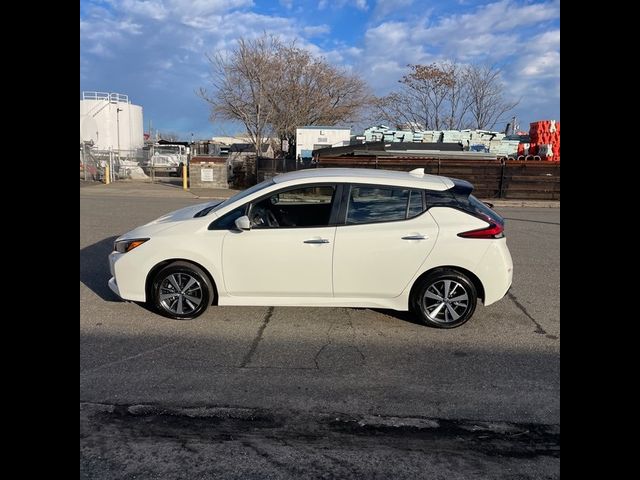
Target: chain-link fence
123, 164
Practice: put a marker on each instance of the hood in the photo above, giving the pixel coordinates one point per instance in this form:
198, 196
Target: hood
184, 213
169, 220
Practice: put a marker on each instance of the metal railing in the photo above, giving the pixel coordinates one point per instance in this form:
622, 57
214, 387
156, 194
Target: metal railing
109, 97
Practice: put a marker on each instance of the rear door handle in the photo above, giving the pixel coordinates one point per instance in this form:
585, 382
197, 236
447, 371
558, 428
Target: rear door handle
317, 240
415, 237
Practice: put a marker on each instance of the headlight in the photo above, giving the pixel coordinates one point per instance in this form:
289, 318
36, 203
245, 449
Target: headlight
124, 246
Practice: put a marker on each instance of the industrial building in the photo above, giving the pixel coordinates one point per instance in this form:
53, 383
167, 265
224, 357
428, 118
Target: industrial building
310, 138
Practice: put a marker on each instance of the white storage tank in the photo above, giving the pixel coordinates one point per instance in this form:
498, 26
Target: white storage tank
111, 121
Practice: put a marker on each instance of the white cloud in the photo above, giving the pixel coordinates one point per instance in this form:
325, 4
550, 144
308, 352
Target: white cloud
140, 47
129, 27
155, 10
386, 7
335, 4
314, 31
506, 33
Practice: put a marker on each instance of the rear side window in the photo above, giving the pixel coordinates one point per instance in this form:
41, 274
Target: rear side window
462, 201
481, 208
369, 204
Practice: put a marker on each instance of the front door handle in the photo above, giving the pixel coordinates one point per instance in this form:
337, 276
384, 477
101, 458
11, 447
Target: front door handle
415, 237
317, 240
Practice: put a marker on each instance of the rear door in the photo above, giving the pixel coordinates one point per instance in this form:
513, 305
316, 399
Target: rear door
385, 236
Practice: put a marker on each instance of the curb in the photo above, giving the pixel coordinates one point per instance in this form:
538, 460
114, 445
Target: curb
523, 203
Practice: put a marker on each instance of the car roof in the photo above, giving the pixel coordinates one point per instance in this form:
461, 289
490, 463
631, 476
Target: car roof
414, 179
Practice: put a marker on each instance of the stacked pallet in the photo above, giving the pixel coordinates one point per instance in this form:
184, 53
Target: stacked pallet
545, 140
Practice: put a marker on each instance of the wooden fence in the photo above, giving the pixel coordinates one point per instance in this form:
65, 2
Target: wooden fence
527, 180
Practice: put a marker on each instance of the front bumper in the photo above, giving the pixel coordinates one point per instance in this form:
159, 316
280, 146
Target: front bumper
114, 286
127, 277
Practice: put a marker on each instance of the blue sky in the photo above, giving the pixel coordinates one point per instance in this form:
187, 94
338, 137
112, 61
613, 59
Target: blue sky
155, 50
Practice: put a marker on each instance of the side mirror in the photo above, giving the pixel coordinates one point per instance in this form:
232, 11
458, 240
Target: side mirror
243, 223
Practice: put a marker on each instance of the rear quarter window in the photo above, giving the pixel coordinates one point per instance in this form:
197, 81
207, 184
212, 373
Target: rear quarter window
482, 208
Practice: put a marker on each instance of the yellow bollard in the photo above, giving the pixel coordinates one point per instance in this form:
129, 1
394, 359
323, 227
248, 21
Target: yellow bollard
107, 177
184, 177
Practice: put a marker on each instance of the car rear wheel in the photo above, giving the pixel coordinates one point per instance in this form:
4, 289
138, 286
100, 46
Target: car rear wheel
181, 291
445, 299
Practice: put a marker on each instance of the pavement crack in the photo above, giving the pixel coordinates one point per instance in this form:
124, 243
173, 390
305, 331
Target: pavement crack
269, 458
256, 341
539, 329
138, 355
353, 334
315, 358
326, 344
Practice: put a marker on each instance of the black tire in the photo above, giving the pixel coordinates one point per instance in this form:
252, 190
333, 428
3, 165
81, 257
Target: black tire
192, 297
437, 313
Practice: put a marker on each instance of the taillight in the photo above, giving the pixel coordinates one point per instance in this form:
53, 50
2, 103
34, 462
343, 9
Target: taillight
494, 230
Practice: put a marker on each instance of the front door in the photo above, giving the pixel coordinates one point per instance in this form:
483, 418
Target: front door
288, 252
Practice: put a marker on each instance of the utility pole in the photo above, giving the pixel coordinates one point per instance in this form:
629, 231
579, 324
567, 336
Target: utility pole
118, 110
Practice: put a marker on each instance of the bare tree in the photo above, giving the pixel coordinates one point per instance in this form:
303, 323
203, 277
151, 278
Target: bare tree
421, 99
402, 110
486, 95
457, 96
239, 82
310, 91
273, 87
447, 95
169, 136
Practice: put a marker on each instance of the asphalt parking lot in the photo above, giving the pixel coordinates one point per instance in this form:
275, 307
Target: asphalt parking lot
501, 368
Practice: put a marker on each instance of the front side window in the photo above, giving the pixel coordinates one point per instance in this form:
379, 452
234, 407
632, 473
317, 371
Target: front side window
369, 204
308, 206
228, 220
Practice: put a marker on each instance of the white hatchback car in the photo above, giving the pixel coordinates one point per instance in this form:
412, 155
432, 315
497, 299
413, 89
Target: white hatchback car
323, 237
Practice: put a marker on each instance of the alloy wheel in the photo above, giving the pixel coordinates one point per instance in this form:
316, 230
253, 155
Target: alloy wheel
445, 301
180, 293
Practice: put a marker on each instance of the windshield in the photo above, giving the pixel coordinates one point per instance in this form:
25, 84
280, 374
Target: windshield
244, 193
173, 150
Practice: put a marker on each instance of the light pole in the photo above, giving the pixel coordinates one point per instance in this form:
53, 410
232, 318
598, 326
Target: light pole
118, 110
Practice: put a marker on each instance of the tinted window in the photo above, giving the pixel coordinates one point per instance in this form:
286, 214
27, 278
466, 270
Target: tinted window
482, 208
227, 221
462, 201
307, 195
416, 204
300, 207
372, 204
441, 199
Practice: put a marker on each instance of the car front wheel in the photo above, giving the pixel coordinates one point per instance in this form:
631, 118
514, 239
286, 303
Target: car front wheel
445, 299
181, 291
